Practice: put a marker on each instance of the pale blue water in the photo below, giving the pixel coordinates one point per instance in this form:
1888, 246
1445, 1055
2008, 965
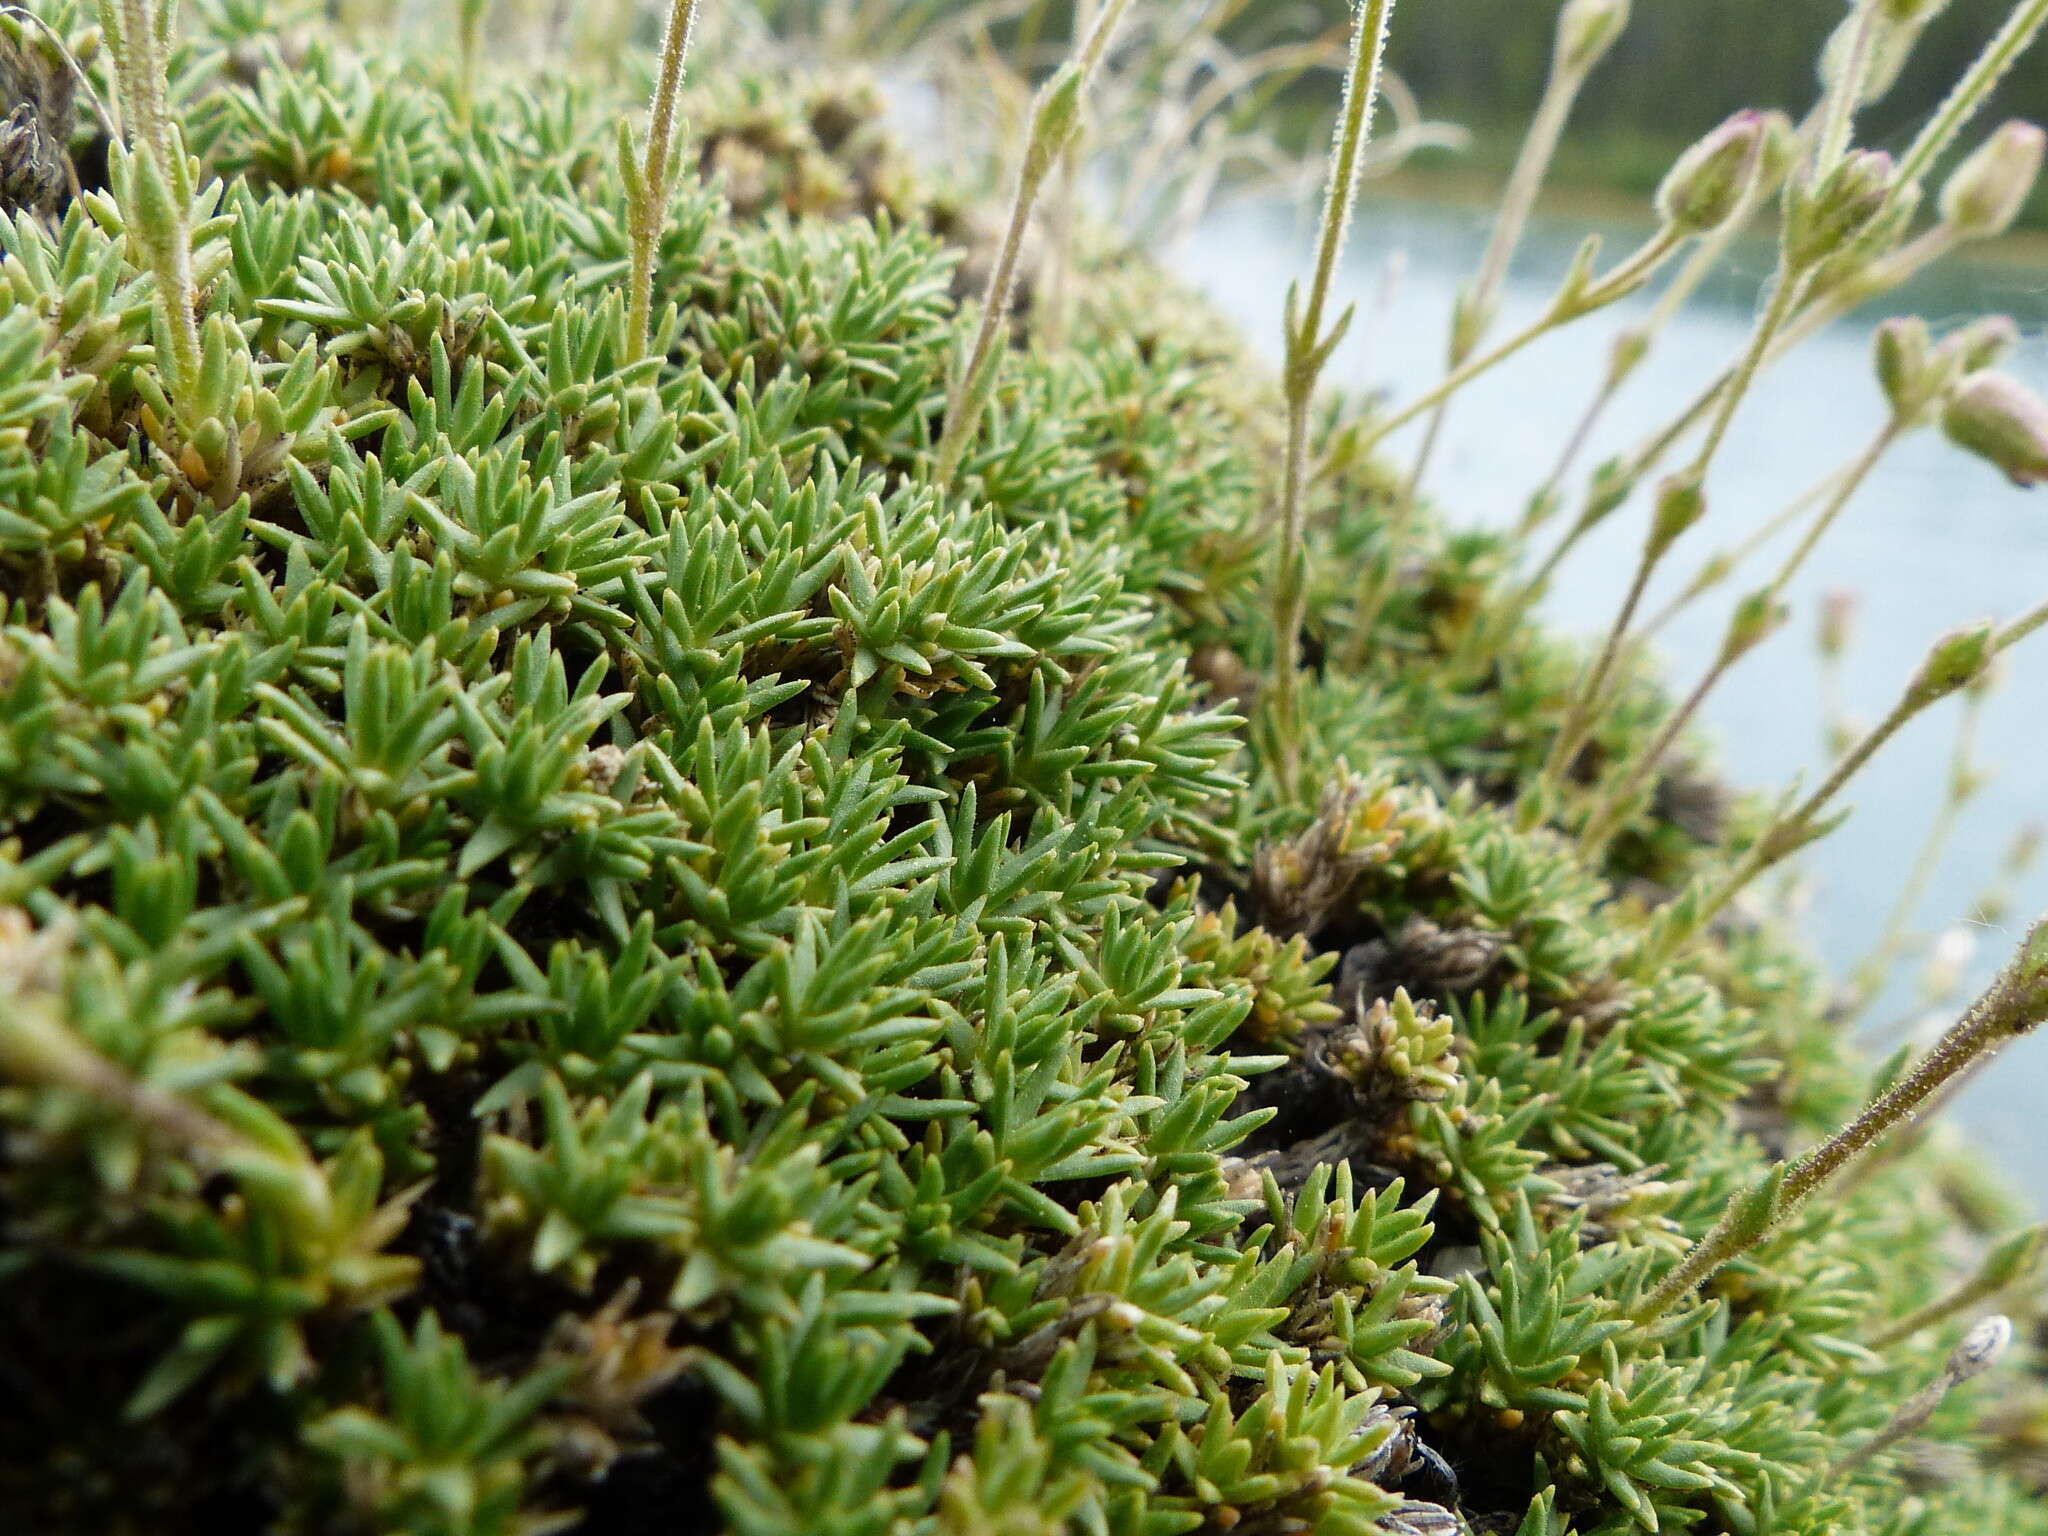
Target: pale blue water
1935, 541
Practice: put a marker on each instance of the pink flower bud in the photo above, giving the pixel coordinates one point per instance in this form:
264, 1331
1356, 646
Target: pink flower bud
1837, 621
1999, 419
1988, 190
1711, 179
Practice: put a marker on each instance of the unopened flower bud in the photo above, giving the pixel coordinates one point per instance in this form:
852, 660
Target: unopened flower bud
1543, 506
1712, 178
1680, 503
1856, 41
1985, 195
1058, 116
1837, 622
1830, 218
2013, 1259
1982, 344
1905, 364
1986, 684
1948, 961
1472, 316
1586, 29
1999, 419
1779, 150
1954, 663
1981, 1348
1631, 346
1613, 483
1899, 24
2025, 850
1756, 618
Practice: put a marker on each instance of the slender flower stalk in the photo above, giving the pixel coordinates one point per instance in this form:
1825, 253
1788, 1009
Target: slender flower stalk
2016, 1004
1635, 342
1679, 506
1838, 110
1837, 625
2022, 627
1612, 485
1055, 119
1583, 293
1712, 193
469, 33
1755, 620
1310, 341
1964, 781
1824, 306
1826, 215
1586, 31
1981, 1349
1980, 201
1721, 565
156, 181
135, 36
2011, 1261
1066, 197
1629, 349
1973, 90
1955, 663
651, 181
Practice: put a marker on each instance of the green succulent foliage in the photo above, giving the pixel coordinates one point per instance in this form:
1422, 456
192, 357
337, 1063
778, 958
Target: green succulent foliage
503, 845
448, 1453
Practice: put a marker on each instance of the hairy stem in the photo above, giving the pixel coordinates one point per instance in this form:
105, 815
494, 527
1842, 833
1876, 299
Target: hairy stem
1816, 312
1582, 712
1059, 256
1838, 111
1971, 92
2009, 1261
2016, 1003
1578, 719
2021, 627
1955, 663
159, 181
1870, 976
1719, 567
1310, 341
1614, 805
1615, 802
1978, 1352
1055, 119
1475, 311
1788, 288
647, 210
1630, 275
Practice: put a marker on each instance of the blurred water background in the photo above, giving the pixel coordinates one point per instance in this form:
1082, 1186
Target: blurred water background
1935, 540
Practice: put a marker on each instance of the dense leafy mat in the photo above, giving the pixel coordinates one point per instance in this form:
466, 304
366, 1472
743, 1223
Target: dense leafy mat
582, 947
